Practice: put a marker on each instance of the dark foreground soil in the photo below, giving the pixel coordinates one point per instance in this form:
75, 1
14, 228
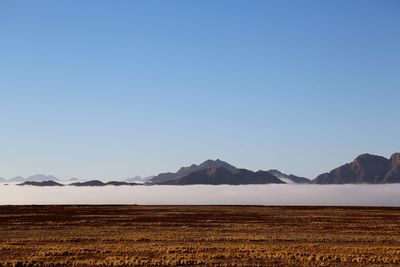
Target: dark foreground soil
198, 235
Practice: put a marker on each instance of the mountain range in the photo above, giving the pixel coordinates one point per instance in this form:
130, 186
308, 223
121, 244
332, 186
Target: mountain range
364, 169
100, 183
220, 172
33, 178
87, 183
215, 176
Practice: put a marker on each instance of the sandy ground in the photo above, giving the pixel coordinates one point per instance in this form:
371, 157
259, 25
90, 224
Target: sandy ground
198, 235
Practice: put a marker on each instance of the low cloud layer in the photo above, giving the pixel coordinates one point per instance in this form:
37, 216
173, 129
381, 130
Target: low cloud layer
341, 195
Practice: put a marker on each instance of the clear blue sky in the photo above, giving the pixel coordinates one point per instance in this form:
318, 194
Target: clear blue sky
111, 89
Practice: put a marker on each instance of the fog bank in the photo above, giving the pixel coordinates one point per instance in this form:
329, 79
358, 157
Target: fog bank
274, 194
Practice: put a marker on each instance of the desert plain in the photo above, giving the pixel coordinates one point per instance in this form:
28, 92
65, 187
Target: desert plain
131, 235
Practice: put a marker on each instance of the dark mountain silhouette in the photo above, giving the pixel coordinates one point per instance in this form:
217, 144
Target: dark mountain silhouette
43, 183
89, 183
184, 171
289, 179
100, 183
216, 176
365, 168
118, 183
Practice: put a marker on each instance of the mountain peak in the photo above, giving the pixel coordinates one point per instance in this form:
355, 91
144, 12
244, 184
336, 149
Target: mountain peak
184, 171
366, 168
208, 164
367, 156
210, 161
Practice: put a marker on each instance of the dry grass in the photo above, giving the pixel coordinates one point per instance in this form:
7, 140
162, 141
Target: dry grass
198, 235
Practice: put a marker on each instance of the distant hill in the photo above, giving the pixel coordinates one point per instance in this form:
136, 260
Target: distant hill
88, 183
100, 183
119, 183
41, 178
289, 179
43, 183
216, 176
366, 168
2, 180
33, 178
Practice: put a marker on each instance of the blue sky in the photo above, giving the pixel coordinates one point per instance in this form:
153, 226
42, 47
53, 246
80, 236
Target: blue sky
111, 89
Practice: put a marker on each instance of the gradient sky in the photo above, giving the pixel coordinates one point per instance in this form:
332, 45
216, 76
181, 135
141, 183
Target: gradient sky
111, 89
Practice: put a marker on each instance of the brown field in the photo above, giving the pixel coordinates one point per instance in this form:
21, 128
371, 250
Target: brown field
198, 235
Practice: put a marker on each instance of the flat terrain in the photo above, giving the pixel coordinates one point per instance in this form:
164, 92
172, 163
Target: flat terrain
198, 235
